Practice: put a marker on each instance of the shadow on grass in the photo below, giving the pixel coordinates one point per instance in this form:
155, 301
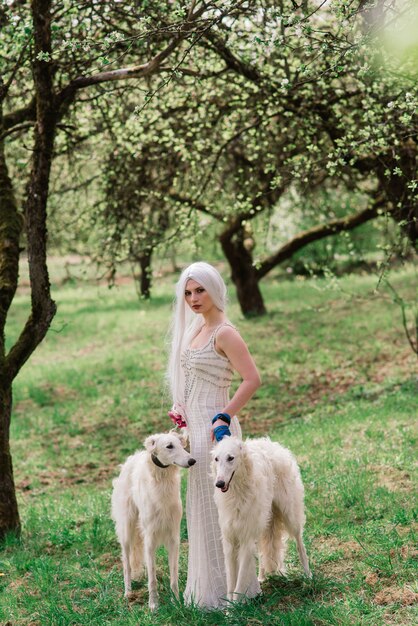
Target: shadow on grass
288, 591
283, 602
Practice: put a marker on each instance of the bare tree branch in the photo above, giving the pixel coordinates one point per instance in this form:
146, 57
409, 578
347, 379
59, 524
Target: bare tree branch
138, 71
319, 232
195, 204
16, 129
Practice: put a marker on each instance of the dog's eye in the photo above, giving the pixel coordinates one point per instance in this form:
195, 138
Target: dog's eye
216, 459
170, 445
229, 458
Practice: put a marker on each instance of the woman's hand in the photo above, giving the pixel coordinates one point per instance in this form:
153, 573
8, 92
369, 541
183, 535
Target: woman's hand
220, 431
220, 427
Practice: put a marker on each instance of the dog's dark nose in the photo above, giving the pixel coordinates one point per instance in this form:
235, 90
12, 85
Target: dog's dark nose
220, 484
192, 462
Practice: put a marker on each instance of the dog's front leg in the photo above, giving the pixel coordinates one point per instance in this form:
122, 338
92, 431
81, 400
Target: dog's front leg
173, 562
247, 570
152, 576
231, 567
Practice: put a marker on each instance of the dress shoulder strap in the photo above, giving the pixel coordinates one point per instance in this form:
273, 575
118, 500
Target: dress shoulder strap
215, 332
213, 338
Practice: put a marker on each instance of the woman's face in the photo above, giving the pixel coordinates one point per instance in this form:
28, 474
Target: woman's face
197, 297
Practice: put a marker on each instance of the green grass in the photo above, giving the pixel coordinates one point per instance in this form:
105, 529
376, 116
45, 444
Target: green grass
339, 389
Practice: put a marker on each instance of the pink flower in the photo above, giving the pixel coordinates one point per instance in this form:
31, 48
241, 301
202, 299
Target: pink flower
177, 419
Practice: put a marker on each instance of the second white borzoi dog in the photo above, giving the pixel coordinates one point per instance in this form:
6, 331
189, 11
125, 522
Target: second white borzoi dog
259, 494
147, 509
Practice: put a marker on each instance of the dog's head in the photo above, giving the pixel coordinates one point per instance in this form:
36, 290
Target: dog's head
226, 456
168, 449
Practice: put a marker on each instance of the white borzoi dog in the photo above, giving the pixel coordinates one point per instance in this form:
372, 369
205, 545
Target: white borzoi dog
259, 495
147, 509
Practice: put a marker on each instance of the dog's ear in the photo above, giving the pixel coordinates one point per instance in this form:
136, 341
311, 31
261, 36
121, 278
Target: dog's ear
150, 443
184, 440
182, 436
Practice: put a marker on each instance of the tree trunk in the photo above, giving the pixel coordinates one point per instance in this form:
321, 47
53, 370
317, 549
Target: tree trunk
43, 308
10, 229
9, 514
243, 272
146, 274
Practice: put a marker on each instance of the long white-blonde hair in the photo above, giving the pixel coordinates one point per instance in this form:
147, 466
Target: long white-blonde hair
185, 324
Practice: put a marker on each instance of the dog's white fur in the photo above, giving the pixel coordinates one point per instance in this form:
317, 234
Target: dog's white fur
259, 494
147, 509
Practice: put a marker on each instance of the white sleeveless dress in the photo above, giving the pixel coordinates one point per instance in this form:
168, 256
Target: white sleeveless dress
208, 378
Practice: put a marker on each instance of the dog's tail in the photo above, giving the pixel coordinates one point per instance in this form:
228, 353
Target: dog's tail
136, 555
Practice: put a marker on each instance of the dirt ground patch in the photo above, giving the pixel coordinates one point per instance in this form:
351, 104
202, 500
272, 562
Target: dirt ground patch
81, 473
337, 381
308, 390
392, 478
339, 557
395, 595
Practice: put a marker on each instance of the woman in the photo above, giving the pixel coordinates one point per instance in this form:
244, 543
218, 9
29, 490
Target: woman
205, 351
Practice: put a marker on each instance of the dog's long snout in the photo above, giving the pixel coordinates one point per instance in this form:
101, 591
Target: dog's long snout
191, 462
220, 484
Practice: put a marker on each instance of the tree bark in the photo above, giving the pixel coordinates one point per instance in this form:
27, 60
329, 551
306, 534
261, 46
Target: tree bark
9, 513
243, 272
146, 274
10, 230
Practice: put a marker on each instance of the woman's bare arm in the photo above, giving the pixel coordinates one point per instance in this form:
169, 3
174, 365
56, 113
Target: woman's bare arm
229, 343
